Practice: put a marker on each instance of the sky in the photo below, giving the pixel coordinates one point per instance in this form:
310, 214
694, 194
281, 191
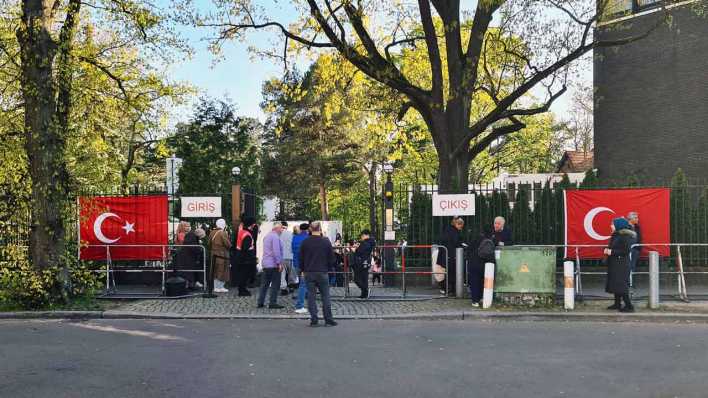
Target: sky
239, 74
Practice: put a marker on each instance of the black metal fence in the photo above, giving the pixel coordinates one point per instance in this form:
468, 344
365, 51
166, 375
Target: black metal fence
15, 226
535, 213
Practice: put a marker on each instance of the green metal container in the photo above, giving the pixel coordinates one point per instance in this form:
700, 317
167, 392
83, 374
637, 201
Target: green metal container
526, 275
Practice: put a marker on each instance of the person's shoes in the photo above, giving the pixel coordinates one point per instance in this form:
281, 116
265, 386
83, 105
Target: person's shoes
331, 323
475, 304
243, 293
302, 311
614, 307
284, 292
442, 292
628, 308
260, 306
276, 307
198, 285
314, 324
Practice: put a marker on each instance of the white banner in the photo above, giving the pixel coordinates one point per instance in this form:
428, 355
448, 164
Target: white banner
201, 206
453, 205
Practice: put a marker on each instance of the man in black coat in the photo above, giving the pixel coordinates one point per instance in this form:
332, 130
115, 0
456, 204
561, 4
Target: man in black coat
315, 258
451, 238
362, 262
635, 252
502, 233
245, 260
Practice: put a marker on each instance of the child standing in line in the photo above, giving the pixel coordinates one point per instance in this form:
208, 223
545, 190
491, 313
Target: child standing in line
376, 271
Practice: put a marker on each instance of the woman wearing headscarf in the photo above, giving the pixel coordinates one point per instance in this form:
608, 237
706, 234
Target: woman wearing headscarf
617, 253
220, 244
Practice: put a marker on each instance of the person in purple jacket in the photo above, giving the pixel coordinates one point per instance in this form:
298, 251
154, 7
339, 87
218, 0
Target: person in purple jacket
272, 267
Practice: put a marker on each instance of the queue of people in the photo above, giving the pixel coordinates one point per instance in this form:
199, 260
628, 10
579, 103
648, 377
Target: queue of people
479, 252
287, 259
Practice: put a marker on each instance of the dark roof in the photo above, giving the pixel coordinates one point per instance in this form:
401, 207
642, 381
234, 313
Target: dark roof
575, 162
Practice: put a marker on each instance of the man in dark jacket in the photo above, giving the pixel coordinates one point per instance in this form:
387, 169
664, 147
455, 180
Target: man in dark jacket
635, 252
315, 258
246, 261
481, 252
502, 233
362, 262
451, 238
190, 257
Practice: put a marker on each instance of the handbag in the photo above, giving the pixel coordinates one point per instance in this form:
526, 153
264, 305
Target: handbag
439, 273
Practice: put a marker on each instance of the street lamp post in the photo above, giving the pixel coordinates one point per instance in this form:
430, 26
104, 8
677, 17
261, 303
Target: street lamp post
236, 197
389, 254
175, 285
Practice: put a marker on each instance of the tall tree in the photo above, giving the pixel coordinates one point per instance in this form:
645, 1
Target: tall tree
51, 55
310, 138
211, 144
553, 35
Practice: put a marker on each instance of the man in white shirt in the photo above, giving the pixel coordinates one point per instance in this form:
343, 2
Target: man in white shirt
288, 274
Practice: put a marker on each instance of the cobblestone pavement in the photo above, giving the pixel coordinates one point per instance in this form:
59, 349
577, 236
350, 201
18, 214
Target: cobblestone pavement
230, 304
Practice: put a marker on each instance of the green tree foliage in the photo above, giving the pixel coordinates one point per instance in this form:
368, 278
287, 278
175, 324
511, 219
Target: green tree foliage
211, 144
590, 181
309, 147
521, 220
537, 51
81, 93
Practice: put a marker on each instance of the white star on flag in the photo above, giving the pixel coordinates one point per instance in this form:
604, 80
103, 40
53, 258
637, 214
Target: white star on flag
128, 227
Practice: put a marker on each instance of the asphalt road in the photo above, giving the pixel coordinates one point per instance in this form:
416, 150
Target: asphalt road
285, 358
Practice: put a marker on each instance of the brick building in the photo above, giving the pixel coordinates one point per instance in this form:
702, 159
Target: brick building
651, 96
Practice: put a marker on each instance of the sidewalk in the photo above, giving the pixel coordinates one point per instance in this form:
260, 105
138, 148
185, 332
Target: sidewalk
229, 306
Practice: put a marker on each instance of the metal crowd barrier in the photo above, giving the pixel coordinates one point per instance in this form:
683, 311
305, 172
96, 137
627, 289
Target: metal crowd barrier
165, 248
680, 273
347, 271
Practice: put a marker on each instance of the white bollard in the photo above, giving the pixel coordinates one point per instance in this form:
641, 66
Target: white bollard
653, 280
568, 285
488, 285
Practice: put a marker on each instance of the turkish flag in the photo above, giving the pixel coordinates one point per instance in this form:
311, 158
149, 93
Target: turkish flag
122, 226
589, 213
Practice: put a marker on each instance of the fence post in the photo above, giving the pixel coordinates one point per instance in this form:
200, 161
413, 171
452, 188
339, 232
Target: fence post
568, 285
653, 280
459, 272
488, 294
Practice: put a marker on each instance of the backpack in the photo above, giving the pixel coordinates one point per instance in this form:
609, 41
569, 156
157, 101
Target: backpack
485, 251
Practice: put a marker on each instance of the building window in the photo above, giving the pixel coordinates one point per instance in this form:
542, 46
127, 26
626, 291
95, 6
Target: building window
644, 4
615, 8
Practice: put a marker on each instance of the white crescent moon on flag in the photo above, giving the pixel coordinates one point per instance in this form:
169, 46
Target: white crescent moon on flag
587, 223
97, 228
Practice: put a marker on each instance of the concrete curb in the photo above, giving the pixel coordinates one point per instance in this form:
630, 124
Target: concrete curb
656, 317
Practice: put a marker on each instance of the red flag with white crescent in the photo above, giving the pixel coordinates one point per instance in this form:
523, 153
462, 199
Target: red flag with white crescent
589, 213
123, 227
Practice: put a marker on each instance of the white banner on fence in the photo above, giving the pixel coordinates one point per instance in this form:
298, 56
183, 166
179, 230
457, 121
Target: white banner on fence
453, 205
201, 206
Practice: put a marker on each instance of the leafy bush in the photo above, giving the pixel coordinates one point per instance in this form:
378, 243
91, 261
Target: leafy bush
22, 287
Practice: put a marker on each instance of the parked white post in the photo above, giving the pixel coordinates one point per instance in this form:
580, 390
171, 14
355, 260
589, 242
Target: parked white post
459, 272
488, 285
653, 280
568, 285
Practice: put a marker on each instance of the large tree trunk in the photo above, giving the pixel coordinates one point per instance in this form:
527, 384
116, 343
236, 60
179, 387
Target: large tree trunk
453, 164
324, 206
453, 174
47, 97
